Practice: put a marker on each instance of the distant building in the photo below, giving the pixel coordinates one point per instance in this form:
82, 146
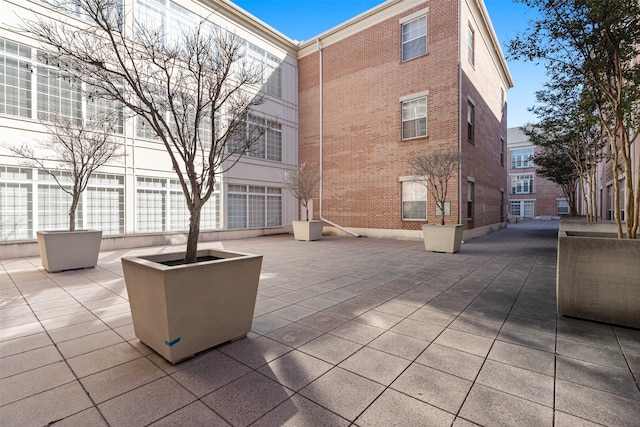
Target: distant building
530, 195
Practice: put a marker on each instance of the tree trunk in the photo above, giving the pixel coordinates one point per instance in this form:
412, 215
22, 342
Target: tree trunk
192, 238
72, 212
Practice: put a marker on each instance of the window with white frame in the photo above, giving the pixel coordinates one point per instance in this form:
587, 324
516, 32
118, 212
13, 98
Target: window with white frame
16, 203
105, 203
414, 118
414, 200
15, 79
522, 184
267, 135
250, 206
73, 8
522, 158
271, 71
161, 206
29, 196
471, 45
562, 206
471, 117
522, 208
54, 202
470, 197
108, 112
414, 38
179, 213
151, 17
151, 202
58, 93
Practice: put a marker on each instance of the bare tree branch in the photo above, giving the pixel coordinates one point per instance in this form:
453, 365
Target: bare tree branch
77, 149
436, 170
194, 90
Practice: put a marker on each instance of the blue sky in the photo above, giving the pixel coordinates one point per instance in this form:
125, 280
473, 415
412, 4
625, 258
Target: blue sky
304, 19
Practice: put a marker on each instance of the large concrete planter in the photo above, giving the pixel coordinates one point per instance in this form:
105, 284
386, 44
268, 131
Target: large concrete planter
442, 238
69, 250
180, 310
307, 230
598, 277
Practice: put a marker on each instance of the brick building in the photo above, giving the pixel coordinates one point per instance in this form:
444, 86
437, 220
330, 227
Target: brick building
356, 103
406, 77
530, 195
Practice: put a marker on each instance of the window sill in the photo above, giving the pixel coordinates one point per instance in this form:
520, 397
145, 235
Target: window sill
416, 137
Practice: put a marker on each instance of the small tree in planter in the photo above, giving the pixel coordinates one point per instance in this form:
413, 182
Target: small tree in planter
303, 184
436, 170
78, 150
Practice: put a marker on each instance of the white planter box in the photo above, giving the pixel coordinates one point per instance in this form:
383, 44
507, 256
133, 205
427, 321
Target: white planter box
183, 309
442, 238
307, 230
68, 250
598, 278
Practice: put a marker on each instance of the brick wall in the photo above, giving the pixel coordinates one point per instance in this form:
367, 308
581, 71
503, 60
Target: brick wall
364, 155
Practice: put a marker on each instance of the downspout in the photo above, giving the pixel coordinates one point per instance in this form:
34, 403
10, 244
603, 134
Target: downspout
460, 110
320, 89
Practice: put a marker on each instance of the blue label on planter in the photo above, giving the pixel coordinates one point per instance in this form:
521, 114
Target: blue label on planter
172, 343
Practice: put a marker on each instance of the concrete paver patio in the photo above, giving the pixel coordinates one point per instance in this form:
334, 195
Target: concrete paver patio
347, 331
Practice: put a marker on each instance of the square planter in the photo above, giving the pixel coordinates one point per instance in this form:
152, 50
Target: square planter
598, 277
442, 238
180, 310
307, 230
69, 250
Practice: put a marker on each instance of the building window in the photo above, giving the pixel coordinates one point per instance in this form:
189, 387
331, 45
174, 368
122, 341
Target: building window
54, 202
414, 201
26, 193
267, 137
58, 94
161, 206
471, 45
522, 208
414, 118
470, 120
447, 209
522, 158
522, 184
254, 206
271, 71
269, 144
470, 196
501, 151
15, 79
562, 207
414, 38
151, 201
16, 203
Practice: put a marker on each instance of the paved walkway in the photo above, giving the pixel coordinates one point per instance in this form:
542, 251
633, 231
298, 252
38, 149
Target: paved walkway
347, 331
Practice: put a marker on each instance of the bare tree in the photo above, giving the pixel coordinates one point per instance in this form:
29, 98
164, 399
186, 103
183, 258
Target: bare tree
303, 184
75, 148
436, 169
194, 90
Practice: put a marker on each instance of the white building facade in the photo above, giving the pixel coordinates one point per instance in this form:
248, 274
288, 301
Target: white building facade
139, 193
